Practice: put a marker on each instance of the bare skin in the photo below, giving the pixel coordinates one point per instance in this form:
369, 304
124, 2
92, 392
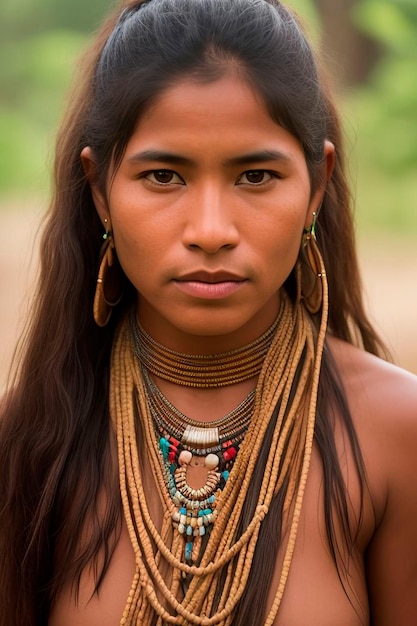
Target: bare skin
209, 182
383, 401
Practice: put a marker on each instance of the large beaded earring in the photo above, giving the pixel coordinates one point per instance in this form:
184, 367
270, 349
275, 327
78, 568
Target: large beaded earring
310, 270
109, 282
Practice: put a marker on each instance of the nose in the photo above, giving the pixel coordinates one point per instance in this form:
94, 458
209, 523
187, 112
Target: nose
210, 222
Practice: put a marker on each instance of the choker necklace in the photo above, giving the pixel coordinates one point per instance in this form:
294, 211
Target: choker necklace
202, 370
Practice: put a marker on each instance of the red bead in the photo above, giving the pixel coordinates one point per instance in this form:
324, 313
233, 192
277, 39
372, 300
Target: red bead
229, 454
172, 456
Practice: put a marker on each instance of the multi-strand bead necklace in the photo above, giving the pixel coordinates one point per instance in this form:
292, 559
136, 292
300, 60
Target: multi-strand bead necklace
185, 443
202, 370
284, 412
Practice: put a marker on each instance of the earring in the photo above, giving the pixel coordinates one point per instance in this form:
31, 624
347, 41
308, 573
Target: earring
310, 270
109, 288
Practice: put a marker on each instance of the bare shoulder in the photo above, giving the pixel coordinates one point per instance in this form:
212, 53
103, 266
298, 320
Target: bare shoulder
383, 404
377, 390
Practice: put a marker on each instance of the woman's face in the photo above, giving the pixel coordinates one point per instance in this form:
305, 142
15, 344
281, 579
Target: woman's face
207, 210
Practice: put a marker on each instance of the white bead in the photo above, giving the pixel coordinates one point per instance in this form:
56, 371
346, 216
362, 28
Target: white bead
185, 457
211, 461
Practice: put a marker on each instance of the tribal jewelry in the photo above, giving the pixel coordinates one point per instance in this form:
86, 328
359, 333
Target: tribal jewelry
194, 432
284, 414
202, 370
182, 439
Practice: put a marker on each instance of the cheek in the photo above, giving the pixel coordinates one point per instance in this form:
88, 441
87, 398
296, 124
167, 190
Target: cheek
141, 248
281, 233
282, 257
138, 257
133, 250
277, 247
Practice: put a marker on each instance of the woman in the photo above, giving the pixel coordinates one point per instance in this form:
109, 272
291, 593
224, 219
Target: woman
219, 442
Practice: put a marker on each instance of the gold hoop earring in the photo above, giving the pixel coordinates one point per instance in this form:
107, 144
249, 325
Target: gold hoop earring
109, 284
310, 270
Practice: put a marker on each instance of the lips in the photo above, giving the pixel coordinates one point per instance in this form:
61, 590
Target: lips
205, 285
203, 276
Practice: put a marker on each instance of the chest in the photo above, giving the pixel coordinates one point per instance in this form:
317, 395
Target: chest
317, 591
314, 588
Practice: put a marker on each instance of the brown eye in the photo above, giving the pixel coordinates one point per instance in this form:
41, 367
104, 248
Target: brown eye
163, 176
255, 176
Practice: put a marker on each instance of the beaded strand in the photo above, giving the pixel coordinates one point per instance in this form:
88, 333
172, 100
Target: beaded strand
295, 354
202, 370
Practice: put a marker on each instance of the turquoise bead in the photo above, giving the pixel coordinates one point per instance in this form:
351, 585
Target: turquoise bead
164, 447
188, 550
204, 512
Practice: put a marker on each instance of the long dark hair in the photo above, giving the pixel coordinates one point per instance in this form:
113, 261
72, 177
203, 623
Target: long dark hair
57, 472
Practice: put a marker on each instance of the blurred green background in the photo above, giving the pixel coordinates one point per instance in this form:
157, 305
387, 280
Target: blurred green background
370, 47
377, 84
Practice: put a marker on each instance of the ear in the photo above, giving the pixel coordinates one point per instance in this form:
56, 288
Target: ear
90, 170
317, 197
329, 158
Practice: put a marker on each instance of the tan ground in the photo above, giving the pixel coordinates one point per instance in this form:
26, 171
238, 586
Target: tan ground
389, 269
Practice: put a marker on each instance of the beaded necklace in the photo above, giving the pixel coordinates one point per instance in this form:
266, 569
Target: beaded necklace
202, 370
182, 442
286, 397
169, 417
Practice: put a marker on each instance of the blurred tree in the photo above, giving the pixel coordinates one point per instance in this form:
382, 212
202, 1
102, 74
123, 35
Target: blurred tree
350, 52
386, 115
29, 17
39, 41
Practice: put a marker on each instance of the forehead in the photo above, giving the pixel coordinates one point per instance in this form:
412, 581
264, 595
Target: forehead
227, 113
207, 100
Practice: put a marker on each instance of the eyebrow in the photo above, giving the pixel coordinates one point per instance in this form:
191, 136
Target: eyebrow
259, 156
159, 155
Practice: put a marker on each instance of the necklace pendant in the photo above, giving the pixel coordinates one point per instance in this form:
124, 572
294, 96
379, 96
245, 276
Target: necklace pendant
196, 512
200, 437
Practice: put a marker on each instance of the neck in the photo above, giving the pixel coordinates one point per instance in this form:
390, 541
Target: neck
205, 370
203, 336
